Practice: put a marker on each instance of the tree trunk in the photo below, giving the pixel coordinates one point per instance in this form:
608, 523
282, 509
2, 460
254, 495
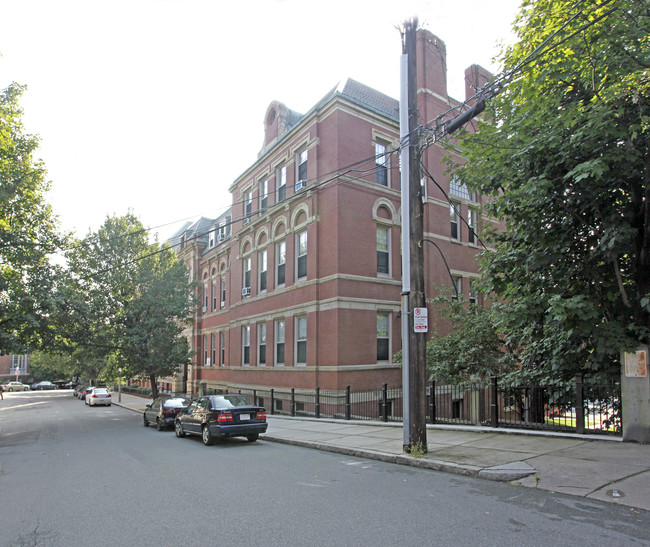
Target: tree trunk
154, 386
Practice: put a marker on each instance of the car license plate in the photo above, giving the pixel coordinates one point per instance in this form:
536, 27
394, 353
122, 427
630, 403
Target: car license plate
243, 417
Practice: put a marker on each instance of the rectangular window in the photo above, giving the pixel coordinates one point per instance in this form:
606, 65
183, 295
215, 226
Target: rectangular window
261, 344
381, 163
223, 293
453, 215
457, 289
383, 253
205, 350
248, 206
206, 299
301, 340
471, 221
383, 336
212, 238
473, 293
264, 195
213, 349
281, 262
281, 182
279, 342
301, 170
301, 255
246, 286
261, 266
246, 343
222, 349
214, 296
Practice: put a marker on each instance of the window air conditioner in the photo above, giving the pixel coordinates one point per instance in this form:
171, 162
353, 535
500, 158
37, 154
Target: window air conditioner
220, 238
246, 291
205, 308
300, 184
207, 362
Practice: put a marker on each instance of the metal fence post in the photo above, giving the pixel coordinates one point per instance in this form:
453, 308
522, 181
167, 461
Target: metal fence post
494, 405
255, 397
317, 405
384, 402
272, 401
580, 405
347, 402
293, 401
432, 402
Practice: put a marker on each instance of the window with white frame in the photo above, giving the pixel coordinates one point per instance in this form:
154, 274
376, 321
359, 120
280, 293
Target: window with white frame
279, 342
214, 296
246, 345
301, 255
457, 289
473, 291
280, 263
301, 340
383, 250
453, 216
222, 232
281, 182
246, 285
261, 344
381, 163
264, 195
212, 237
206, 298
213, 350
383, 336
301, 169
262, 268
222, 349
472, 217
459, 189
205, 350
248, 206
222, 304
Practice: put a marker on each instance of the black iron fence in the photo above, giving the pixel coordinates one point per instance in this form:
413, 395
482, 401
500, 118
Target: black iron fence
580, 406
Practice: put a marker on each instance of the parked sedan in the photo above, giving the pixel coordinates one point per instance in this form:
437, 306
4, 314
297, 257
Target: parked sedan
162, 411
15, 386
98, 396
45, 384
83, 392
217, 416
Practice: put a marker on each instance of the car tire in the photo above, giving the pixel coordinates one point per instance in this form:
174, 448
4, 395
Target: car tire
252, 438
146, 422
178, 428
159, 426
206, 436
11, 389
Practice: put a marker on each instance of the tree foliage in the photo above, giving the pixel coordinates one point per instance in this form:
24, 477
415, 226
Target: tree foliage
133, 299
565, 164
28, 234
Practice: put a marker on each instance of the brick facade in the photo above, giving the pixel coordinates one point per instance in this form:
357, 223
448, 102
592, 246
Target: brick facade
309, 251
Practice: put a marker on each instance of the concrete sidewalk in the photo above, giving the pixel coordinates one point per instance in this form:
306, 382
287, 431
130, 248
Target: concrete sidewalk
593, 467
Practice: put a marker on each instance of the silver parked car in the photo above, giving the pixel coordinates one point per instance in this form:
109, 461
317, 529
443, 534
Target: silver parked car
15, 386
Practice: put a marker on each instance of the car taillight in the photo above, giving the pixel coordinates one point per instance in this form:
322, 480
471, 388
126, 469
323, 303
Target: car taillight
108, 395
93, 395
261, 415
168, 412
224, 418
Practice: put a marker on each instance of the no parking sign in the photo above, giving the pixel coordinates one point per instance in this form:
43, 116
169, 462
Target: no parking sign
420, 320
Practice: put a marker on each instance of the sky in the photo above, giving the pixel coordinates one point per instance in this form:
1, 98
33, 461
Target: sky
156, 106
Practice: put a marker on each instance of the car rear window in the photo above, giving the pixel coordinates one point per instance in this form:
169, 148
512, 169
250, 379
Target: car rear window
100, 391
176, 402
230, 401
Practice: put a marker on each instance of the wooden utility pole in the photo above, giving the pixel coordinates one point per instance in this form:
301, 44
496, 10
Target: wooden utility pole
416, 419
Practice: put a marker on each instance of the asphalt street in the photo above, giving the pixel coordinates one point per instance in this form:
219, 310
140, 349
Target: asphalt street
72, 474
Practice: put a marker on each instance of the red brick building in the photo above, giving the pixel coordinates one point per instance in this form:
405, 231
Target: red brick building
300, 279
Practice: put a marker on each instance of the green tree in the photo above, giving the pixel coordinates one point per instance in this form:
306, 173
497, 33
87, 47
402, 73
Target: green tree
565, 164
133, 299
28, 234
153, 343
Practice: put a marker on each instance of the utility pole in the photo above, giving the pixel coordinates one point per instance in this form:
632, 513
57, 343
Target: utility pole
414, 341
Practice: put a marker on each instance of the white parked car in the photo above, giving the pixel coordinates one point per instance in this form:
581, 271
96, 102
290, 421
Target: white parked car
98, 396
15, 386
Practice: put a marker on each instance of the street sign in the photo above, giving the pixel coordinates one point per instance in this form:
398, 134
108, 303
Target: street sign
420, 320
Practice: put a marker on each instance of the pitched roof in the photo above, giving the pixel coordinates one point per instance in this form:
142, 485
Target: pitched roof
364, 95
